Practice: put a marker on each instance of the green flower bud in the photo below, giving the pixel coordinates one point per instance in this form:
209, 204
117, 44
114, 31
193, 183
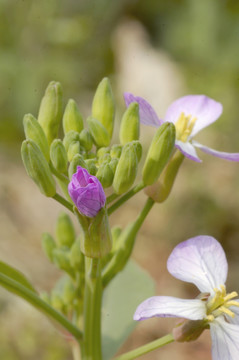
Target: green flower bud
129, 127
126, 170
65, 232
76, 161
95, 238
37, 168
76, 257
159, 152
70, 137
58, 156
115, 151
98, 132
69, 291
113, 164
105, 159
160, 190
91, 155
61, 260
103, 107
48, 245
138, 149
73, 149
33, 131
50, 111
103, 151
90, 166
115, 232
72, 118
86, 139
105, 175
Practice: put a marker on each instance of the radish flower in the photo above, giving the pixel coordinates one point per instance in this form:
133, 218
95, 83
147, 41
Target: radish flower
189, 114
201, 260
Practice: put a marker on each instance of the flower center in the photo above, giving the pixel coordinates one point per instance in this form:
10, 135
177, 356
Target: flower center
184, 126
220, 304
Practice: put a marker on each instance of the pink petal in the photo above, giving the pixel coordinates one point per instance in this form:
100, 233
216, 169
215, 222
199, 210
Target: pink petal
168, 306
147, 114
206, 110
187, 150
225, 340
220, 154
200, 260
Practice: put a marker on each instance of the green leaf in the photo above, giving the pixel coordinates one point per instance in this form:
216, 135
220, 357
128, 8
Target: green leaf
16, 275
121, 298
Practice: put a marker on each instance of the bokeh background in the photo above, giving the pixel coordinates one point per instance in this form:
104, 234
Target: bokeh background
160, 50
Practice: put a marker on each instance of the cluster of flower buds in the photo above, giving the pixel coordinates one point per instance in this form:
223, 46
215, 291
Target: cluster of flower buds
83, 163
64, 252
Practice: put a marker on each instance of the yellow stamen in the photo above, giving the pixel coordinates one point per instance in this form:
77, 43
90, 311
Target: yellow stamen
232, 303
226, 311
231, 296
220, 303
184, 126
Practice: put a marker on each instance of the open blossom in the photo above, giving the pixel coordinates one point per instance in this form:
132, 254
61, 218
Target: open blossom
86, 192
201, 261
190, 114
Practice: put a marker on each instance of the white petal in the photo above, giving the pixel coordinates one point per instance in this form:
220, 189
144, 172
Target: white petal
187, 150
220, 154
168, 306
200, 260
225, 340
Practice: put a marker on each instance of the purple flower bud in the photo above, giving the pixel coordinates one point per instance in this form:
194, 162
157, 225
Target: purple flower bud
86, 192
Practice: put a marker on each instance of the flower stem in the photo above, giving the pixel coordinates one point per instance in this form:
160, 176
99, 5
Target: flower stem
64, 202
60, 176
124, 198
142, 350
92, 310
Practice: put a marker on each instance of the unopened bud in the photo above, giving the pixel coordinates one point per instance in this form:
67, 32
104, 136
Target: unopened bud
61, 259
48, 245
103, 151
73, 149
126, 170
86, 139
129, 127
50, 111
77, 257
103, 107
159, 153
57, 302
91, 167
37, 168
69, 291
98, 132
65, 232
160, 190
115, 151
105, 175
58, 156
76, 161
113, 164
70, 137
34, 131
138, 149
72, 118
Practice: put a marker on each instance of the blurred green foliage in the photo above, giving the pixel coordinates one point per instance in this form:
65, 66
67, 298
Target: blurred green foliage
70, 41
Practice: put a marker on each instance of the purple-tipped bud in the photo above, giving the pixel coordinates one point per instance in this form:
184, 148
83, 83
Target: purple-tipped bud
86, 192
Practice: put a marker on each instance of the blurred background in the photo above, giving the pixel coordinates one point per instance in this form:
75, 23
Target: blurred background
159, 50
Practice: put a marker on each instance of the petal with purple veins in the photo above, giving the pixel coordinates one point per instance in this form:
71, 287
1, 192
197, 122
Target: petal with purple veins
200, 260
147, 114
187, 150
225, 340
167, 306
220, 154
205, 109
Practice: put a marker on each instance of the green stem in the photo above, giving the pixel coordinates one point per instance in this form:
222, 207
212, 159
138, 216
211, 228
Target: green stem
125, 245
92, 310
32, 298
64, 202
125, 197
142, 350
